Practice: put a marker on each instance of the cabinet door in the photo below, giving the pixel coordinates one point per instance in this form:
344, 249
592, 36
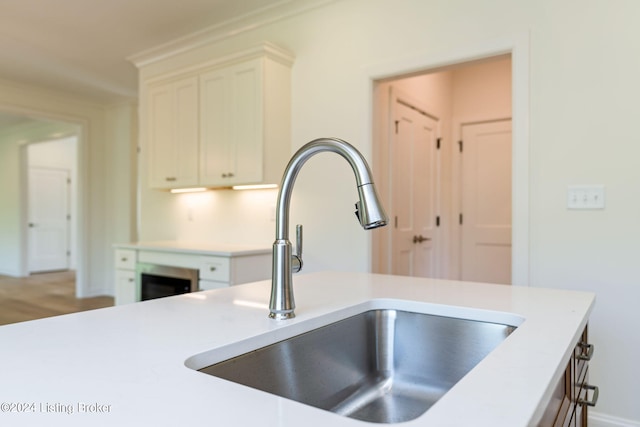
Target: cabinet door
231, 128
173, 134
126, 291
247, 140
215, 129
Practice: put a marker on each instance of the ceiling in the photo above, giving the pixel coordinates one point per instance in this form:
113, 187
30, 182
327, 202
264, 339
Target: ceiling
81, 46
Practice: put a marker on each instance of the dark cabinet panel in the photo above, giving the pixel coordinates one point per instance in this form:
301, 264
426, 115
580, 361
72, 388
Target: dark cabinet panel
573, 394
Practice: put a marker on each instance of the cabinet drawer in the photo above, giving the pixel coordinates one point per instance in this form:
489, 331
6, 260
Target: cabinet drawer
125, 259
207, 285
214, 268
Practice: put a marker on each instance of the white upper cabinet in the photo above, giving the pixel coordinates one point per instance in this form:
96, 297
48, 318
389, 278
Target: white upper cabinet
223, 123
231, 126
173, 131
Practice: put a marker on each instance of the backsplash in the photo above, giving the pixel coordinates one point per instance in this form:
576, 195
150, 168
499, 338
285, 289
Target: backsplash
226, 216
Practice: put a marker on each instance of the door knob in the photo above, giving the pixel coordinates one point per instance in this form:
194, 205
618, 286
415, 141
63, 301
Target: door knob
420, 239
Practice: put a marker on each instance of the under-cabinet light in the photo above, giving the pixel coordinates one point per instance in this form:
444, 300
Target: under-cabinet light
254, 187
188, 190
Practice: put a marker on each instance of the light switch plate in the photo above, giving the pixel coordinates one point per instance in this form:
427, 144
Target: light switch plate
585, 197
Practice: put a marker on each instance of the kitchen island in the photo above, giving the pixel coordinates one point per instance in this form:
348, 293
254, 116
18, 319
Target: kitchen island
133, 365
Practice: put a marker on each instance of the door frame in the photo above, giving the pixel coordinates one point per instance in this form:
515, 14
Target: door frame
82, 159
518, 47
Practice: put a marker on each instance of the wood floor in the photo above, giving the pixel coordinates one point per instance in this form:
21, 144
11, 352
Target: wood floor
43, 295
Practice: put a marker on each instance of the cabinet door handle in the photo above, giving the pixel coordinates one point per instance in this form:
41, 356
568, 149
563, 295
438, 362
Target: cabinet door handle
124, 259
131, 280
212, 269
585, 355
594, 399
170, 178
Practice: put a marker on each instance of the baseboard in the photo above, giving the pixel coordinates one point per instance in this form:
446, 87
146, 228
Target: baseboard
100, 292
9, 272
597, 419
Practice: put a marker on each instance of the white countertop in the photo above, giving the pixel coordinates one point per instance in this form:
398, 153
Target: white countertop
129, 361
200, 248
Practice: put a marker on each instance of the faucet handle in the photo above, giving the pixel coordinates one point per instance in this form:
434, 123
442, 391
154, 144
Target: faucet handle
299, 240
297, 257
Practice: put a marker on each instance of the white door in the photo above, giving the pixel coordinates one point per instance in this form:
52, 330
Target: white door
48, 208
414, 183
486, 202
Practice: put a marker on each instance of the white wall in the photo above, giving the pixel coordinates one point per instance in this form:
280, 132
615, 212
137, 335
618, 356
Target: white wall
583, 108
121, 190
10, 243
481, 92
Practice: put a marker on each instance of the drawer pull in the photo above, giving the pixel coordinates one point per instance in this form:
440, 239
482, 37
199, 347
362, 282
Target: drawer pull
131, 280
212, 269
594, 399
585, 355
124, 259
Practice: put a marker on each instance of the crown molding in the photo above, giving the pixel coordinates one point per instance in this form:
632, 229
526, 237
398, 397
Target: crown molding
264, 49
265, 16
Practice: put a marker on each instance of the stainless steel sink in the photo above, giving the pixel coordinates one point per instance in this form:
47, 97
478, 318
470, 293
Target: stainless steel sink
384, 366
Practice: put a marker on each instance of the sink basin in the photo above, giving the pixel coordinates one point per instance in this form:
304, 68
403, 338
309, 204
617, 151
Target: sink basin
383, 366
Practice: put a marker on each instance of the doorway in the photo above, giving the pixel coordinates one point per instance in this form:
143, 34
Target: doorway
459, 95
20, 131
52, 205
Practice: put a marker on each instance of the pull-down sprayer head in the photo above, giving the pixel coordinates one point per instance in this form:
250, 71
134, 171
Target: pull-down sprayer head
369, 209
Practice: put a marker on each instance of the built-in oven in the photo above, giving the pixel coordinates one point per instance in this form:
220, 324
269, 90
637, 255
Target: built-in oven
157, 281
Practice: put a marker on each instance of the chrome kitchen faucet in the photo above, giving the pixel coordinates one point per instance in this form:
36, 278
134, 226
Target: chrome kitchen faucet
368, 210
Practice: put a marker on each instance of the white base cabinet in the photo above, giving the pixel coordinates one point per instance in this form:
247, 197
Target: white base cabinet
125, 276
217, 270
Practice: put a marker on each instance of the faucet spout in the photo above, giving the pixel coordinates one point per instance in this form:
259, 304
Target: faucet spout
368, 210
